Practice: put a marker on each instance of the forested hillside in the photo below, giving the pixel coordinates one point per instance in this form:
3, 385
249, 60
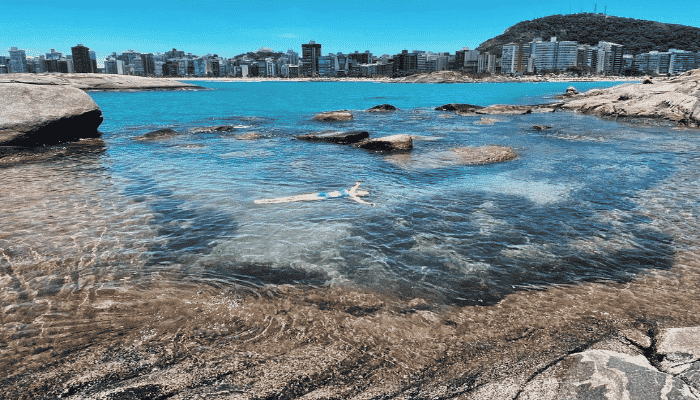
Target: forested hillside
638, 36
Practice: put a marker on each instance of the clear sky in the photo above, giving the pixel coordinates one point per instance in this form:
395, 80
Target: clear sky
228, 28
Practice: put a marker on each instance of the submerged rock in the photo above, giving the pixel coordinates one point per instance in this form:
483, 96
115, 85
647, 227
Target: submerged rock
160, 134
331, 116
487, 121
219, 128
33, 115
541, 127
249, 136
463, 108
382, 108
676, 100
484, 154
505, 109
388, 143
336, 137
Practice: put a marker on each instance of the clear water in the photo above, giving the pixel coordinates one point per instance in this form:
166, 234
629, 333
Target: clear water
588, 201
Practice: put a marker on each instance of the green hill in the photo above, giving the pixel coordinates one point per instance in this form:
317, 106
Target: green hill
638, 36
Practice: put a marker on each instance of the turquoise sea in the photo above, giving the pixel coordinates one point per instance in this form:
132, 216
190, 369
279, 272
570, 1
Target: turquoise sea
590, 210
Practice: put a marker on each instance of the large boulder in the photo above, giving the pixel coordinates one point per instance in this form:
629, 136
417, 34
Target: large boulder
504, 109
570, 91
484, 154
332, 116
34, 115
388, 143
604, 374
336, 137
463, 108
382, 108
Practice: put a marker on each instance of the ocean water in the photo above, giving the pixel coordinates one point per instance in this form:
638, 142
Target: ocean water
127, 230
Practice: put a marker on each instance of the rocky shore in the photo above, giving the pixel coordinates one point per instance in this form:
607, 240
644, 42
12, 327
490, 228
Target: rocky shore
98, 81
675, 101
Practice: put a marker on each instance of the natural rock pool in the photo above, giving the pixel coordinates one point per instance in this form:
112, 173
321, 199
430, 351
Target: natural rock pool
145, 268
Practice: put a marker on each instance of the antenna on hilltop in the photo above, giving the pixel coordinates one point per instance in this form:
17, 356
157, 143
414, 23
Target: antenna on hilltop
606, 10
595, 9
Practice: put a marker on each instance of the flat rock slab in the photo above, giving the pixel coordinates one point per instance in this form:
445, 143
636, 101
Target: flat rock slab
487, 121
35, 115
160, 134
336, 137
98, 81
388, 143
484, 154
463, 108
331, 116
382, 108
504, 109
605, 374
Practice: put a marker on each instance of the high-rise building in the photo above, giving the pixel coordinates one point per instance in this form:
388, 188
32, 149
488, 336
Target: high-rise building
310, 52
114, 66
18, 61
54, 55
293, 57
609, 58
406, 63
82, 63
681, 61
514, 58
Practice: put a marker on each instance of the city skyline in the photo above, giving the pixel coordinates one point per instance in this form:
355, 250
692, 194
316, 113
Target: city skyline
382, 27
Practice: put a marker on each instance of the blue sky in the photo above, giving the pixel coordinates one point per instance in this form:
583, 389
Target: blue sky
229, 28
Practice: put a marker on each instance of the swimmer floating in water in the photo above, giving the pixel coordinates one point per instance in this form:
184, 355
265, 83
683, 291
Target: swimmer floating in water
353, 193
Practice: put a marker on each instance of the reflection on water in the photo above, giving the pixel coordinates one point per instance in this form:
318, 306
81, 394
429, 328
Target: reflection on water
127, 264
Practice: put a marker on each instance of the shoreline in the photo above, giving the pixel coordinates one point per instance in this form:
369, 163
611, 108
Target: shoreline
498, 79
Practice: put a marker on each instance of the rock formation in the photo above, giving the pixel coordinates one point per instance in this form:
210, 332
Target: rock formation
336, 137
676, 100
388, 143
382, 108
249, 136
34, 115
483, 154
160, 134
464, 108
570, 91
504, 109
541, 127
331, 116
209, 129
98, 81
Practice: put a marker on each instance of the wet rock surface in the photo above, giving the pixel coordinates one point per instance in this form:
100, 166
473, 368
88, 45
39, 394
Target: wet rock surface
249, 136
98, 81
541, 127
213, 129
484, 154
335, 137
382, 108
34, 115
160, 134
388, 143
675, 100
604, 374
505, 109
464, 108
332, 116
